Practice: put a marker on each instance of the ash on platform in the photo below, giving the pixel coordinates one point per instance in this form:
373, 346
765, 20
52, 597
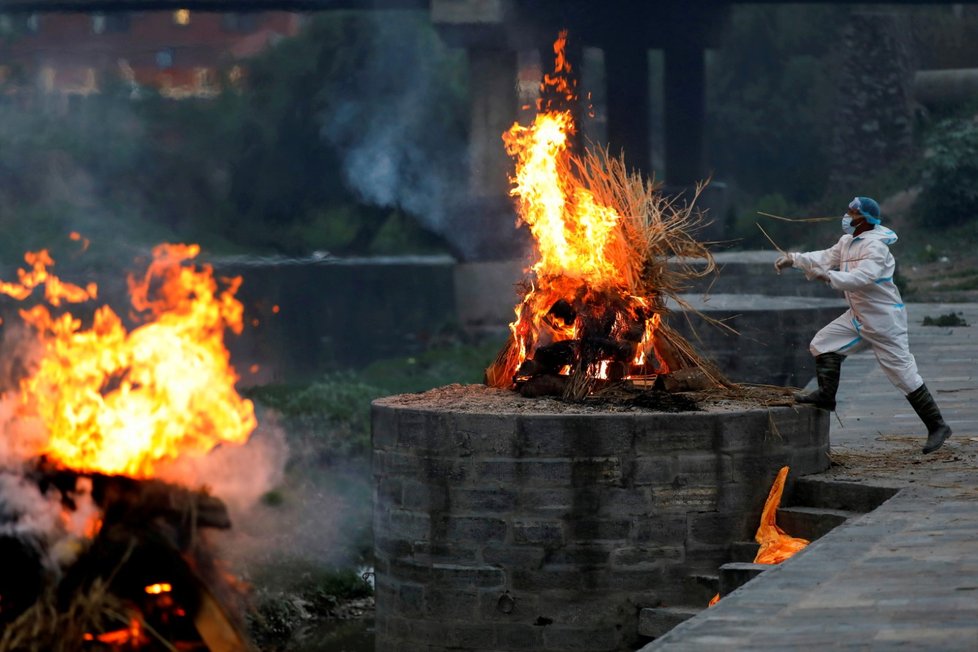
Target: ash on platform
616, 399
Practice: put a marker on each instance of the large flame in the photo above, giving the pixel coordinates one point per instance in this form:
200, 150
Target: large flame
121, 402
582, 251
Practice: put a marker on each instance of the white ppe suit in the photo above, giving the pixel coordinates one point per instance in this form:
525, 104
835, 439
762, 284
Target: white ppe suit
862, 267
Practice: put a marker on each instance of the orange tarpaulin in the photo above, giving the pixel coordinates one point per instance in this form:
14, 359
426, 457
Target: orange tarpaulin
776, 544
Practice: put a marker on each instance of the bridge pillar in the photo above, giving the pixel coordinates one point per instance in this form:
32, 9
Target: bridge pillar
492, 92
627, 103
685, 113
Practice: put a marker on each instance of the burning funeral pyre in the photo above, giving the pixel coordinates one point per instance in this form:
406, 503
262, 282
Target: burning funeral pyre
100, 531
593, 302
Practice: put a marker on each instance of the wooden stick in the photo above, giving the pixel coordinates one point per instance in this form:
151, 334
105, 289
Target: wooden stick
783, 252
797, 219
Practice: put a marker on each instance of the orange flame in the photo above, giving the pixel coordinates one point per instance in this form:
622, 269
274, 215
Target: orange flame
132, 635
156, 589
580, 243
121, 402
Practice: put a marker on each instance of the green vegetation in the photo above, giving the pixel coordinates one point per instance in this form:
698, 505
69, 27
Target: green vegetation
950, 319
949, 174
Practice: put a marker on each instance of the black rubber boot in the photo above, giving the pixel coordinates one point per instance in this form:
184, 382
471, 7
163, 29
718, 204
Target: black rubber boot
828, 367
926, 408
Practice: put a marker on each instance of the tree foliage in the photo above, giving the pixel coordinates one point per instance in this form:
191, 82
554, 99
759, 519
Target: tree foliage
949, 174
769, 99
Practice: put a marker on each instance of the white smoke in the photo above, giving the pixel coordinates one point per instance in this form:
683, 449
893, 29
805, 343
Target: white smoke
395, 149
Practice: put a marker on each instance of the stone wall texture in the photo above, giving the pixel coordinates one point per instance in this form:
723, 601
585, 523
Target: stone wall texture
551, 531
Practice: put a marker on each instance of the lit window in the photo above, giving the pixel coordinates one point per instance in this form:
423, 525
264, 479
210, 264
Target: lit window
98, 23
181, 17
33, 23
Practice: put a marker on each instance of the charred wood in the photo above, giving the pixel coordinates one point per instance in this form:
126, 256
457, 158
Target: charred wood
545, 385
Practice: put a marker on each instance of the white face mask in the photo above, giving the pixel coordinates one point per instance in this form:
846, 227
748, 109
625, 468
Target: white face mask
847, 226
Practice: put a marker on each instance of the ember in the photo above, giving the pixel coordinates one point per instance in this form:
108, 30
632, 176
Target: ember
592, 304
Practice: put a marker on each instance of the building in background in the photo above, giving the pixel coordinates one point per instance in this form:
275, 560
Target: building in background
179, 54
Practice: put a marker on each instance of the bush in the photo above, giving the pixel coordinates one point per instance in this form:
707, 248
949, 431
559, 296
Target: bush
949, 176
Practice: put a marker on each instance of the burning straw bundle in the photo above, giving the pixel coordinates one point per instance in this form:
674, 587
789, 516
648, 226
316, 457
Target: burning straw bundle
651, 252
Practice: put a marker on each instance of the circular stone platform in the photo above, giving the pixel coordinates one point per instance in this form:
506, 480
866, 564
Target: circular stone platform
505, 523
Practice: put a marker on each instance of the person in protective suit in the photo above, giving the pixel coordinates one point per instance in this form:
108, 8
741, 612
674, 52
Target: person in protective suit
860, 264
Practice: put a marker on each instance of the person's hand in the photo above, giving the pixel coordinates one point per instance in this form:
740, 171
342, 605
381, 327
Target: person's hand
782, 262
822, 276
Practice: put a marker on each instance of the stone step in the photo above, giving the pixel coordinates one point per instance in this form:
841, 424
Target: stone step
700, 588
736, 574
811, 522
744, 551
849, 496
656, 621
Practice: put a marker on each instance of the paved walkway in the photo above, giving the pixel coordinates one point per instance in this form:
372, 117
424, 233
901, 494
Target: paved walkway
905, 576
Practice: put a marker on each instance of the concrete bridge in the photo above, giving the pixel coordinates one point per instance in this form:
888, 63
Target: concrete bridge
495, 32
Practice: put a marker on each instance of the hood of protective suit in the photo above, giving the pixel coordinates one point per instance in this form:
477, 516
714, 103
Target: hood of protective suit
879, 232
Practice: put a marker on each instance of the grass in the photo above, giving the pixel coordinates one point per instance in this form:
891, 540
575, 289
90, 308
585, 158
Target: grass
950, 319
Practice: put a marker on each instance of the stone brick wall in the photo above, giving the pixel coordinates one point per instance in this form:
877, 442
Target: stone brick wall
551, 531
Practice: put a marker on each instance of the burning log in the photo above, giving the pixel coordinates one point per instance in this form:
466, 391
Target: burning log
144, 580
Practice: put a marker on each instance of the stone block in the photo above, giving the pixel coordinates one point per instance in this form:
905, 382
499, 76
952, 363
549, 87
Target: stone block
474, 529
455, 576
746, 432
586, 556
409, 526
409, 600
657, 469
467, 636
634, 502
383, 427
423, 497
645, 557
599, 639
713, 528
387, 493
620, 578
587, 472
547, 533
555, 578
512, 556
546, 501
493, 500
556, 436
680, 497
506, 606
488, 434
665, 433
525, 473
519, 637
449, 604
443, 470
588, 529
660, 529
